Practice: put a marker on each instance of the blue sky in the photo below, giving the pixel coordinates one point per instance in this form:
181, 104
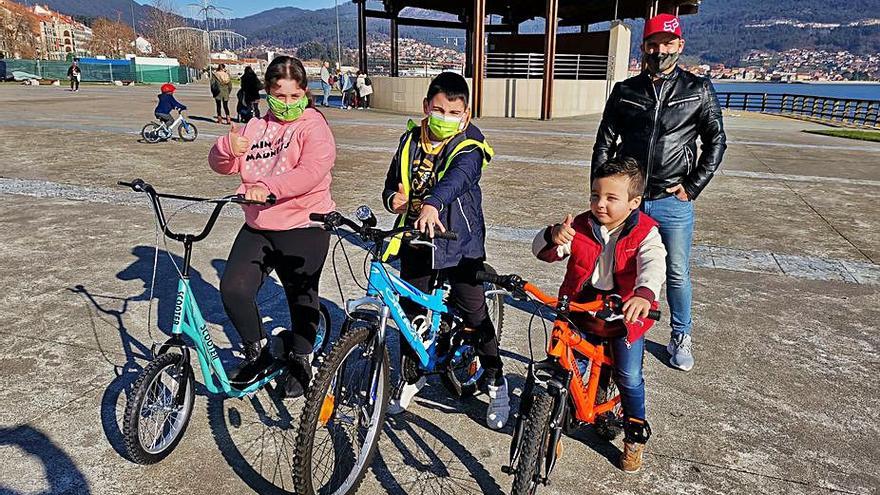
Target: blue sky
238, 8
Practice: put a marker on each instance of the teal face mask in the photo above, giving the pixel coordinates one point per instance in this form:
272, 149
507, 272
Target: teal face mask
287, 112
444, 127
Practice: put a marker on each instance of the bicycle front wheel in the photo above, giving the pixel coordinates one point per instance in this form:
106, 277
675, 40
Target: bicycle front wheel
159, 409
536, 435
187, 131
342, 416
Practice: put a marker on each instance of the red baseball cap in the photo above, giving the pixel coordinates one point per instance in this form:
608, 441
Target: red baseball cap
662, 23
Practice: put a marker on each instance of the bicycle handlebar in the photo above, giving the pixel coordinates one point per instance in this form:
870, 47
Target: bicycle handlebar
515, 284
139, 185
367, 227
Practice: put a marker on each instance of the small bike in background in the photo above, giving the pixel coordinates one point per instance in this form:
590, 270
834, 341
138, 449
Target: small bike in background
161, 400
158, 131
571, 387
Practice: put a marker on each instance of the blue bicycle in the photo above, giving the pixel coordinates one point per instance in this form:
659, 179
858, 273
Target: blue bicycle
161, 401
346, 403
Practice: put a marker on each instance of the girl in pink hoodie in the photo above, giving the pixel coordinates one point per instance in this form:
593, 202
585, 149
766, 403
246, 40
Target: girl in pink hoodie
289, 153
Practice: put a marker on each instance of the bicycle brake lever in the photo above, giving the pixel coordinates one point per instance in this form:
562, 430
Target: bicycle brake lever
422, 243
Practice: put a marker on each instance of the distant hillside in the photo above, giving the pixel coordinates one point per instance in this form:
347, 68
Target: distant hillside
723, 31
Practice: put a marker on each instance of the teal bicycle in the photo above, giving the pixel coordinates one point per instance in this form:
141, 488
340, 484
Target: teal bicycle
161, 401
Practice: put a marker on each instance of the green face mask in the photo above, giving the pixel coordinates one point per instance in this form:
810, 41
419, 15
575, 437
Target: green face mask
285, 112
444, 127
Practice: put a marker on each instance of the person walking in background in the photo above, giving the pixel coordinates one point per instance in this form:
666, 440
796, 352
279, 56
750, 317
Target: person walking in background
365, 89
251, 86
346, 83
658, 116
75, 74
325, 83
221, 87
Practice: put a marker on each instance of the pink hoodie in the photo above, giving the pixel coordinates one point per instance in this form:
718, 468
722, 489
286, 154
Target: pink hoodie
291, 159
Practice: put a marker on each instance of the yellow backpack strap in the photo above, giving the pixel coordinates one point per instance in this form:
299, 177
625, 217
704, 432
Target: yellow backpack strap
405, 162
466, 146
394, 244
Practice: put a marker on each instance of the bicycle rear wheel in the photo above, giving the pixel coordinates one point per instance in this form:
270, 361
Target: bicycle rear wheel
536, 435
342, 416
150, 133
463, 374
158, 411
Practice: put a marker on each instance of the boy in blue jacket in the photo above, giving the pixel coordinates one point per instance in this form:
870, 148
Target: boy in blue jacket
167, 104
433, 185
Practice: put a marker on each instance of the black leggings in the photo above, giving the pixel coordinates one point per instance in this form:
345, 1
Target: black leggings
225, 106
465, 293
298, 257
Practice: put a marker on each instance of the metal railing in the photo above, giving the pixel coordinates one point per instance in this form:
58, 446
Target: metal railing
841, 111
531, 66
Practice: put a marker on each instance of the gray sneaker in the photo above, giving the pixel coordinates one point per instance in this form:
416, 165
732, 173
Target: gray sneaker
679, 350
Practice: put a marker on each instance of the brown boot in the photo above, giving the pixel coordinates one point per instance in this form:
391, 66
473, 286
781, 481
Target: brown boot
631, 459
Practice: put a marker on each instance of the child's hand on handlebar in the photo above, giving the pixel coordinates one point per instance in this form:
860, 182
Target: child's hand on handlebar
256, 192
429, 218
636, 307
563, 233
238, 143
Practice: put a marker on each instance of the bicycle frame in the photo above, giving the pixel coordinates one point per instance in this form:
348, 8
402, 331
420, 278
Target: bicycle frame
384, 291
564, 342
188, 321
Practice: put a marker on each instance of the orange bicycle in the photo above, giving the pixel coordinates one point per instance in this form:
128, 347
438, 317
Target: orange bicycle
558, 395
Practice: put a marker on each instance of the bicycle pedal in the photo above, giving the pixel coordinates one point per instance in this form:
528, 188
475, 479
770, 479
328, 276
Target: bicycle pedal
507, 470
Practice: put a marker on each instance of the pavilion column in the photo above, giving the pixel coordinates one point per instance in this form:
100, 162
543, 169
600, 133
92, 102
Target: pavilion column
552, 23
395, 48
478, 51
362, 35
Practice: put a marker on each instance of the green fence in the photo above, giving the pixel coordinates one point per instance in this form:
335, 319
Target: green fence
100, 72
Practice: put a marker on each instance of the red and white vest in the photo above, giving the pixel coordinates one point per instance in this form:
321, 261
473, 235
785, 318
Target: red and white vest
586, 247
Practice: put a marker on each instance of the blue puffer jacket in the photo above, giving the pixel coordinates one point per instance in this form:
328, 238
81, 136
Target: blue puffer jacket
456, 195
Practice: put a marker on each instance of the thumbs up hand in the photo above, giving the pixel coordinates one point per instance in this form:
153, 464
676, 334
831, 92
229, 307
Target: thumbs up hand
563, 233
399, 201
237, 142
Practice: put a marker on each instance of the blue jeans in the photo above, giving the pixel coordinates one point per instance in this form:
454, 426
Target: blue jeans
326, 88
628, 375
676, 220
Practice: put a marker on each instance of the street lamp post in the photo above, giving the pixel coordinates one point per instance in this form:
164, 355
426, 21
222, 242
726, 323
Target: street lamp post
338, 40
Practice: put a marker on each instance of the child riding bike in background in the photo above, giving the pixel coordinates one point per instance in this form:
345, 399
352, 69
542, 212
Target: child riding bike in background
167, 104
614, 249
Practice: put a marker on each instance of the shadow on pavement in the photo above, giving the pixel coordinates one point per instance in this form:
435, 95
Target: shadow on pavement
61, 473
432, 461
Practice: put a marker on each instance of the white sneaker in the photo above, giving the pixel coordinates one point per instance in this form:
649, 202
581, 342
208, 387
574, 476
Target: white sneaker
499, 406
407, 392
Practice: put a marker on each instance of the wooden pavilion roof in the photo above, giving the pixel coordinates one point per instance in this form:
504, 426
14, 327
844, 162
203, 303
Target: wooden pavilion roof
571, 12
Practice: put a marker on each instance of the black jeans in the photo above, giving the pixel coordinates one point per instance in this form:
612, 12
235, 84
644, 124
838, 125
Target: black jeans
466, 294
166, 118
74, 83
225, 106
298, 257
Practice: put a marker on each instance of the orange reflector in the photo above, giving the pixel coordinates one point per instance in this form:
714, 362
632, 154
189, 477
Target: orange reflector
327, 409
472, 369
559, 448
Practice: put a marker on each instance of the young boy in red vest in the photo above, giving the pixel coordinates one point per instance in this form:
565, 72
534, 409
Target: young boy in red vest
615, 249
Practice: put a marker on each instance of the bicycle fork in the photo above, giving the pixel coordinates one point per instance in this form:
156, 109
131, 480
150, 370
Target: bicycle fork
557, 383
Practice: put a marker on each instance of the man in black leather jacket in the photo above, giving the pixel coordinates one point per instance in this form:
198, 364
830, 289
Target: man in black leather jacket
658, 116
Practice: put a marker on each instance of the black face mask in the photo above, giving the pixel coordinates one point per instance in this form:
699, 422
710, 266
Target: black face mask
660, 62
